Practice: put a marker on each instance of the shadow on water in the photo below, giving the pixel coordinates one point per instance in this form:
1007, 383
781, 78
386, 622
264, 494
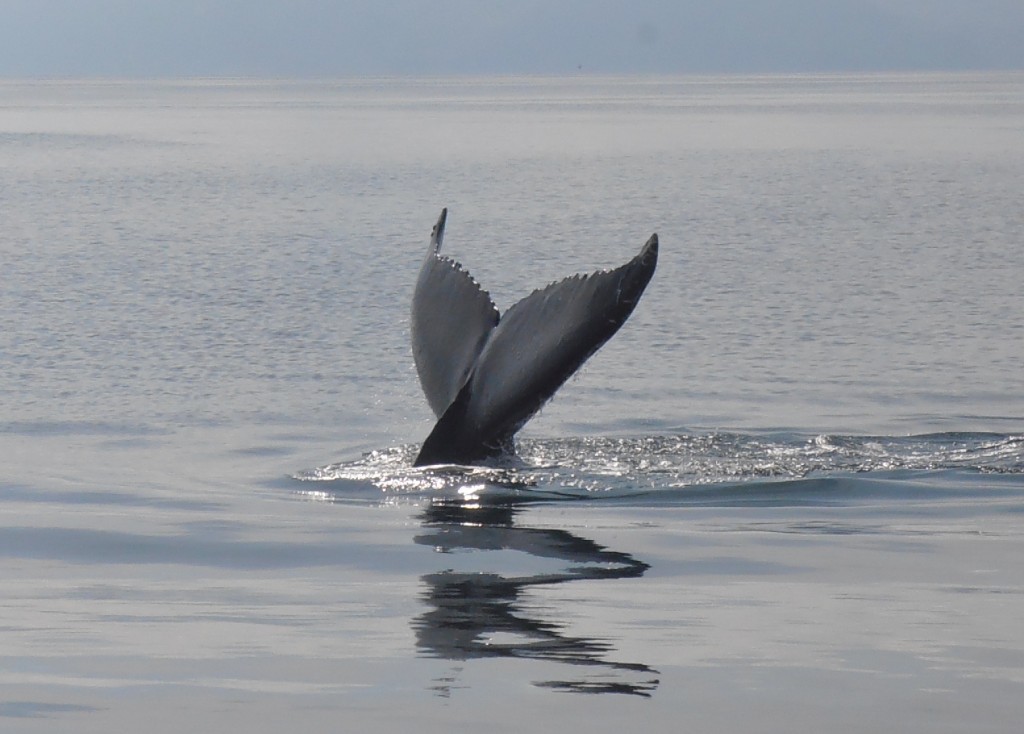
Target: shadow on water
489, 615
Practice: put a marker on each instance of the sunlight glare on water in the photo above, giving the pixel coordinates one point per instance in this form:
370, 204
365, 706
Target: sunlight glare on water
656, 468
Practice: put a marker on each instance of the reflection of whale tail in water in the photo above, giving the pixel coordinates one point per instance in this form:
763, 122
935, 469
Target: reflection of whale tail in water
481, 614
486, 374
484, 615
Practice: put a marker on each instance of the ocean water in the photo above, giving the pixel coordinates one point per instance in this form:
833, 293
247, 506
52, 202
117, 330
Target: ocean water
789, 494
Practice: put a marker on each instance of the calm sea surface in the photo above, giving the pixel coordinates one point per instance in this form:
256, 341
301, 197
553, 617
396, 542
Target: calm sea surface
788, 495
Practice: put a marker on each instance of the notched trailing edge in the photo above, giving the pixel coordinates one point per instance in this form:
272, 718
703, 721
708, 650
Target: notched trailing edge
486, 375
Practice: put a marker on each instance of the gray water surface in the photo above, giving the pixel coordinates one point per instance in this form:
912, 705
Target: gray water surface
788, 494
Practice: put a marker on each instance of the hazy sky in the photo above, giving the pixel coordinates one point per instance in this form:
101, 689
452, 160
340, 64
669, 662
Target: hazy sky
325, 38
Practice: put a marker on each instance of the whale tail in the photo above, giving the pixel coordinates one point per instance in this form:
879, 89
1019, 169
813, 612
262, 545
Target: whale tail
486, 374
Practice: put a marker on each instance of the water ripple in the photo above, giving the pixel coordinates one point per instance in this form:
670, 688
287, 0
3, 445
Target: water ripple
662, 466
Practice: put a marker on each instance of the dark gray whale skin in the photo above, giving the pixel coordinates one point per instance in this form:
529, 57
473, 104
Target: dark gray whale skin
485, 374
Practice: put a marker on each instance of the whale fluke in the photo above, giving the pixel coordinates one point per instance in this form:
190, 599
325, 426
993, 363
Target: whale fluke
485, 375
